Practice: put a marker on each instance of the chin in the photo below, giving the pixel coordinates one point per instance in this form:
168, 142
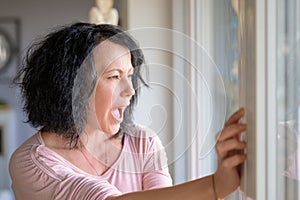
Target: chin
113, 130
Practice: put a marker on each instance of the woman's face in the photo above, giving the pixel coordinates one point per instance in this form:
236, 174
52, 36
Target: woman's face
114, 86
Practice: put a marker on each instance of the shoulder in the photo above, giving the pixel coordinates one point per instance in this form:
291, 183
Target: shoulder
25, 174
146, 147
38, 173
33, 161
25, 161
22, 153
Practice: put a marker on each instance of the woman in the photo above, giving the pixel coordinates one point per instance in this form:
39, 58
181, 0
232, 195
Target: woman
80, 85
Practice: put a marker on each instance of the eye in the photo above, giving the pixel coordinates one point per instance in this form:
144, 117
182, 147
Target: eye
114, 77
130, 76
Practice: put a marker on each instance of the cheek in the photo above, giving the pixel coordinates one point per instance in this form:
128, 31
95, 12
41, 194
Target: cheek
103, 98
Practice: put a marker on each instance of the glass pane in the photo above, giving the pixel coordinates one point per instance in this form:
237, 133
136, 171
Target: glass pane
226, 49
225, 24
288, 99
220, 41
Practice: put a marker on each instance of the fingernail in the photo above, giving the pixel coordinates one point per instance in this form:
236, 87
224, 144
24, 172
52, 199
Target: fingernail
242, 110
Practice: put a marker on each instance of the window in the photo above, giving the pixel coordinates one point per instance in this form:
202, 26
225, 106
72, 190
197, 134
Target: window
287, 99
268, 81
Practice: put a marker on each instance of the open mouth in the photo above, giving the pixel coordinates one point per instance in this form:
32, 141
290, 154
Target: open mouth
117, 113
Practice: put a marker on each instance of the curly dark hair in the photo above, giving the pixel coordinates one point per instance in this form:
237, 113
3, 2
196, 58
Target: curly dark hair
58, 77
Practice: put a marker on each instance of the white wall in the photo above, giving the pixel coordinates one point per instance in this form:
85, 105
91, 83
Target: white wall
144, 13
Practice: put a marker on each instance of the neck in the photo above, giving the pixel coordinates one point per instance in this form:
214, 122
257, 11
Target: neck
55, 141
99, 143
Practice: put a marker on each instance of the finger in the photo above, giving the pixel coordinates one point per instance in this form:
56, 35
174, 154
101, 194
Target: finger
224, 148
235, 117
231, 131
234, 161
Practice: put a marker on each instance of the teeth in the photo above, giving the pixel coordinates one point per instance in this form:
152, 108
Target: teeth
116, 113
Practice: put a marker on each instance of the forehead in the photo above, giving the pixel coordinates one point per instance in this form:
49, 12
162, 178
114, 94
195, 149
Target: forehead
107, 53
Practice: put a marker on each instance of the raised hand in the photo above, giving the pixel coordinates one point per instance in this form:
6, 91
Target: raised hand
230, 155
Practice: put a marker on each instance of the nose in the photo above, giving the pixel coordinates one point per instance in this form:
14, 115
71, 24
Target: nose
127, 88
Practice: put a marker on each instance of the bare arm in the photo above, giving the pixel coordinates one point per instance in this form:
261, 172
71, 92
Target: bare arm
198, 189
227, 177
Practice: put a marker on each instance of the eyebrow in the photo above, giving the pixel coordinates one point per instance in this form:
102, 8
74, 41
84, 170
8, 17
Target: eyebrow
118, 70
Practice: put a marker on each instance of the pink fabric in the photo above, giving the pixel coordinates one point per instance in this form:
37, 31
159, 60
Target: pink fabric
39, 173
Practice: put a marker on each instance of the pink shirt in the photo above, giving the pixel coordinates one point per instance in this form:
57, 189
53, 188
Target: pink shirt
37, 172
